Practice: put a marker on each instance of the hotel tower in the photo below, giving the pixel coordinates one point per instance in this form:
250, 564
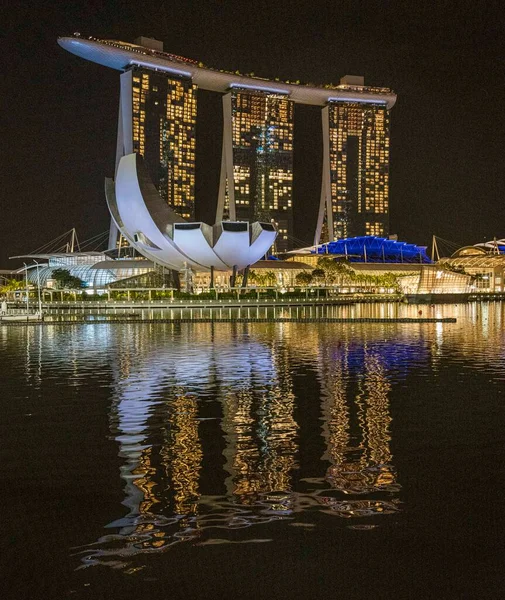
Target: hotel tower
157, 119
355, 183
257, 161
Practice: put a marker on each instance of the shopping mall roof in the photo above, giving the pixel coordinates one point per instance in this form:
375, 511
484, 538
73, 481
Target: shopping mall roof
476, 261
482, 255
497, 246
380, 267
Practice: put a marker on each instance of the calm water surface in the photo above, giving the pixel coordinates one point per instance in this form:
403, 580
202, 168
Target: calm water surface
255, 460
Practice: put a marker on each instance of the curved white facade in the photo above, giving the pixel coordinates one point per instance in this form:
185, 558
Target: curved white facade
159, 234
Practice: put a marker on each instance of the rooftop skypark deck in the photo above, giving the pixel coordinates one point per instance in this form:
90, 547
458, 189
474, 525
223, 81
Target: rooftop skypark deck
122, 55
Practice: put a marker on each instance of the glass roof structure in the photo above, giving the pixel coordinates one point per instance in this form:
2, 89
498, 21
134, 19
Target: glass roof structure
476, 261
92, 278
485, 254
497, 246
95, 275
375, 250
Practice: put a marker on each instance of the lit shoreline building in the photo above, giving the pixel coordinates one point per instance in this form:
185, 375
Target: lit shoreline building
157, 119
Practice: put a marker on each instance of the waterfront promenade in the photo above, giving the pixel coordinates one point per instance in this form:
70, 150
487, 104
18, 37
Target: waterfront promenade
372, 309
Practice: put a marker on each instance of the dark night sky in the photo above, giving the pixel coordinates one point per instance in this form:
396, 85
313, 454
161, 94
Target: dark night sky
445, 60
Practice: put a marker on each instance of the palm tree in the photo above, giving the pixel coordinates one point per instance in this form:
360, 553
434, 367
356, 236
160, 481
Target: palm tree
335, 270
270, 278
258, 278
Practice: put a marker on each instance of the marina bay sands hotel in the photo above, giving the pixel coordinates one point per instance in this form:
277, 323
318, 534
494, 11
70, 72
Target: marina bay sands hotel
157, 119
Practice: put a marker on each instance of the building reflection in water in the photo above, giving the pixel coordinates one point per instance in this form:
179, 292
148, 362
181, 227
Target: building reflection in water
356, 426
261, 432
155, 422
163, 384
161, 479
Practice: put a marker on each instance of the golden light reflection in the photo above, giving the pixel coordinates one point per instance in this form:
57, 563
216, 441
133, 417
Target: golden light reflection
181, 455
357, 432
262, 436
187, 470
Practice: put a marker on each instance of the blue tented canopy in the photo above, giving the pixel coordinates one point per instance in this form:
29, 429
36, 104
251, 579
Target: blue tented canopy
371, 248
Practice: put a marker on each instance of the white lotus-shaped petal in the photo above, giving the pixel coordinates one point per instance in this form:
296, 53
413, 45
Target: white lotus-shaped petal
160, 234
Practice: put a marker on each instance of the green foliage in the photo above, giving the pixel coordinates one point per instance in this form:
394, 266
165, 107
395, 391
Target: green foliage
303, 278
257, 277
66, 281
12, 285
319, 275
270, 278
160, 295
267, 294
342, 273
92, 297
335, 270
210, 295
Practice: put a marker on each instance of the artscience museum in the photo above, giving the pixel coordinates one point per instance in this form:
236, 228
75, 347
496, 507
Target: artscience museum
161, 235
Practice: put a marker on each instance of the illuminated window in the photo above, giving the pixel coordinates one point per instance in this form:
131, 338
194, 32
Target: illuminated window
164, 133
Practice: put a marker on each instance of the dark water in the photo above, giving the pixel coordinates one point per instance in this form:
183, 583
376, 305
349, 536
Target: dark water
255, 460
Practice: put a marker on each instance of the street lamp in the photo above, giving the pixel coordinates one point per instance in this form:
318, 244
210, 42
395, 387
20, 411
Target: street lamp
39, 291
26, 286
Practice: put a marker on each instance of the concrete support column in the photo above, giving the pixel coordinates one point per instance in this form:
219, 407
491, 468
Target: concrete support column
226, 164
325, 204
124, 140
245, 276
